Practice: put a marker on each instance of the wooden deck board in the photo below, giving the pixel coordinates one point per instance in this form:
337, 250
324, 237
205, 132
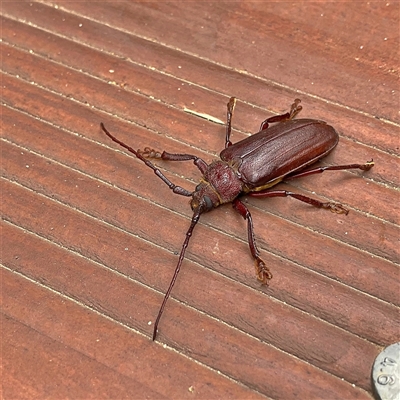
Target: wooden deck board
90, 235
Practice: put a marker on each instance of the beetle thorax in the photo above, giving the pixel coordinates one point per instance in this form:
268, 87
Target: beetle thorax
220, 184
224, 179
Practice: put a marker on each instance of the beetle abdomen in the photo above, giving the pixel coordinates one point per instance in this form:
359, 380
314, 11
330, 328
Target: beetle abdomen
286, 147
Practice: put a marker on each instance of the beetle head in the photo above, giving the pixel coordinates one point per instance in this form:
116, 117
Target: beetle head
204, 198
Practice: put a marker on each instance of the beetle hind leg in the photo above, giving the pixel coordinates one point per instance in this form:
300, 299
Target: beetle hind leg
262, 271
363, 167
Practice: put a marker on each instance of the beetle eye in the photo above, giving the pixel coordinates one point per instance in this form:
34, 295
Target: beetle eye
208, 203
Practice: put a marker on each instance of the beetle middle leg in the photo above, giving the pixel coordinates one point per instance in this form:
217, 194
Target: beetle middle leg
262, 271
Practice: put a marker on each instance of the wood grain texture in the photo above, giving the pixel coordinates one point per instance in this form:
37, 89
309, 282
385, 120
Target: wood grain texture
90, 235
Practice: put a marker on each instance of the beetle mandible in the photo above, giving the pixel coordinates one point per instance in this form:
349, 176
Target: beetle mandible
252, 166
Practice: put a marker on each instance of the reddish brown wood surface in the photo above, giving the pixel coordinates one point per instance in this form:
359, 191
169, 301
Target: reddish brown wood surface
90, 235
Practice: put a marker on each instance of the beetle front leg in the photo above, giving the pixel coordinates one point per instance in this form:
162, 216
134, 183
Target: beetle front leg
262, 271
151, 153
334, 207
294, 110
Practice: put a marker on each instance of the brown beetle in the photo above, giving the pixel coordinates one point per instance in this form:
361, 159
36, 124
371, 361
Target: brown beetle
252, 166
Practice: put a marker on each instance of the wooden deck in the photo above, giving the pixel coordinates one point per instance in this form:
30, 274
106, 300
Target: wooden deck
90, 236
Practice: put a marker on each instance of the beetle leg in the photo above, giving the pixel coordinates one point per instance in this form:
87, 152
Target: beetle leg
364, 167
294, 110
262, 271
151, 153
334, 207
230, 108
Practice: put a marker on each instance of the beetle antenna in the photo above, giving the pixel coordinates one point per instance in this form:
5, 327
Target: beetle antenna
195, 219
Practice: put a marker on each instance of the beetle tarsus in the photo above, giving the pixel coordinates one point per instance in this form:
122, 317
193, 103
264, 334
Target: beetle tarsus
262, 271
295, 108
368, 165
149, 153
335, 208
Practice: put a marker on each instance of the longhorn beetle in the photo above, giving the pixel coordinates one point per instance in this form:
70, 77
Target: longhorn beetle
252, 166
